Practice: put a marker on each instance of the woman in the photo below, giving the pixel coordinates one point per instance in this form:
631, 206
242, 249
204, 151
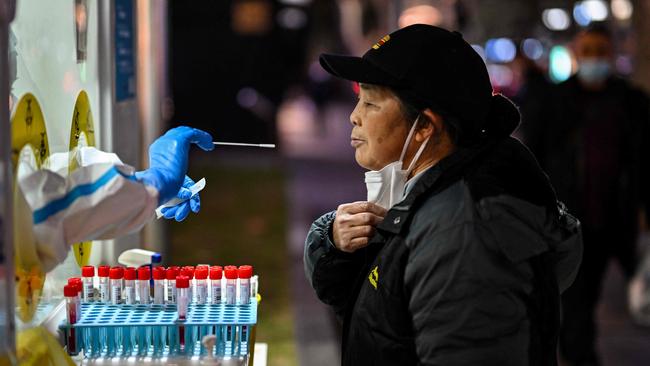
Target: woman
460, 252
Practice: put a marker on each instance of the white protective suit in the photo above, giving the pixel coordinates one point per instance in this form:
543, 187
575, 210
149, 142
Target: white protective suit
101, 199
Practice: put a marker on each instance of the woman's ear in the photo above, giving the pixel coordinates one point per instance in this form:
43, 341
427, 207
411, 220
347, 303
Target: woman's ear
429, 124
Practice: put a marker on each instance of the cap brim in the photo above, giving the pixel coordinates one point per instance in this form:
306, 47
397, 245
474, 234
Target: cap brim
356, 69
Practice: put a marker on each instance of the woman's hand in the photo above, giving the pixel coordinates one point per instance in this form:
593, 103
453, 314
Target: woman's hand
355, 224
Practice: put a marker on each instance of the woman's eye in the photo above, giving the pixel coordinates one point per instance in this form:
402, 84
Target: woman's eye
367, 104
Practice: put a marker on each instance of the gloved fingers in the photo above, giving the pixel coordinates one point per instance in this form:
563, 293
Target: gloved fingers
169, 212
188, 182
182, 211
195, 203
184, 193
202, 139
192, 135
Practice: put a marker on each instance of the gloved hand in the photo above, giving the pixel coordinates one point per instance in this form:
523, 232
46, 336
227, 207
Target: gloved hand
168, 157
180, 211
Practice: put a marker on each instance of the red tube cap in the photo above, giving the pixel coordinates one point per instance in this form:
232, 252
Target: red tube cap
88, 271
216, 272
129, 273
76, 283
231, 272
245, 271
103, 271
159, 273
144, 273
201, 273
182, 282
187, 271
172, 272
70, 291
116, 273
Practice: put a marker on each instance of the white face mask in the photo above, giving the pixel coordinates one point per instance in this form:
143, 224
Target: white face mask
386, 186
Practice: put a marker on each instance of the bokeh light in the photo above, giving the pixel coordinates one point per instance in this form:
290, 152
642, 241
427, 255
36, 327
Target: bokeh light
532, 48
556, 19
500, 50
560, 65
622, 9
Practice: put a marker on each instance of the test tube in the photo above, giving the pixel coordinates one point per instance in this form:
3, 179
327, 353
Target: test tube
116, 274
201, 275
144, 290
231, 285
87, 276
129, 285
104, 294
78, 284
188, 271
245, 273
216, 272
172, 272
71, 295
182, 288
159, 275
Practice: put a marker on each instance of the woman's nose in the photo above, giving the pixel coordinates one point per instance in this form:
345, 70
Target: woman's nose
354, 118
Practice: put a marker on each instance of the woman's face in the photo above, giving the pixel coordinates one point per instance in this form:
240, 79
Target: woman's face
379, 129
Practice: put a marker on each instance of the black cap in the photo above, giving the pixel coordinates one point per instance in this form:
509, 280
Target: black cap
434, 68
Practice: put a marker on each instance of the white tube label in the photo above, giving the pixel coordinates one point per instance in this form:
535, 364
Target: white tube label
116, 294
103, 292
231, 291
244, 292
216, 293
129, 295
158, 292
88, 291
201, 293
171, 292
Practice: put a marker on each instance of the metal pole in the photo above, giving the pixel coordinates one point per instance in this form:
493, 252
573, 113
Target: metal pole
7, 325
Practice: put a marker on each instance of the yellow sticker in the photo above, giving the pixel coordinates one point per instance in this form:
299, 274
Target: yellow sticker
82, 134
29, 149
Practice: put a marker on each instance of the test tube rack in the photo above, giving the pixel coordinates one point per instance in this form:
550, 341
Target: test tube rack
108, 331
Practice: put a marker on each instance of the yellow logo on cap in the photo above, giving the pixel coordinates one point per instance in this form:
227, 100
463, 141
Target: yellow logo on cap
381, 42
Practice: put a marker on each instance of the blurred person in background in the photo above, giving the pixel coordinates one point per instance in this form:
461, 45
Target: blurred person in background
532, 95
596, 152
460, 252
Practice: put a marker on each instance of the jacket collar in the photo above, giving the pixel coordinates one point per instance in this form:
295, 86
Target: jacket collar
436, 179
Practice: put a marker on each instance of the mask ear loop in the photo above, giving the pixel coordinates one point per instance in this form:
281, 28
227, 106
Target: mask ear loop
408, 139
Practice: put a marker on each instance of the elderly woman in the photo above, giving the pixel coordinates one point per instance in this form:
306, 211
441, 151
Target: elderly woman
460, 252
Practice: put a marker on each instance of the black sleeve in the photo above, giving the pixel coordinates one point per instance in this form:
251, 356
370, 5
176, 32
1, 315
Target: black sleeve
331, 272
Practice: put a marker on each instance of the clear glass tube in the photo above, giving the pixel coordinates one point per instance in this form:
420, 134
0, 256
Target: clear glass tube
244, 291
231, 291
183, 300
71, 317
201, 291
158, 291
129, 292
216, 291
171, 292
144, 291
104, 293
116, 291
88, 289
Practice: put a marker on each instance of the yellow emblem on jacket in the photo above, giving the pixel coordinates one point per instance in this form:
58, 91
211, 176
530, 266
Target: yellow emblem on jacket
373, 277
381, 42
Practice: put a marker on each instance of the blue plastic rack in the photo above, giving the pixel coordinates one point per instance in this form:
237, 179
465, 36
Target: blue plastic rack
107, 330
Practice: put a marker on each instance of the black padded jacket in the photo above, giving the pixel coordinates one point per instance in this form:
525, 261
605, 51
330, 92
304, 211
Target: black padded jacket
466, 270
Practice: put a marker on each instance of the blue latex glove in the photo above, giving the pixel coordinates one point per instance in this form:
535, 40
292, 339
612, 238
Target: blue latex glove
168, 157
180, 211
